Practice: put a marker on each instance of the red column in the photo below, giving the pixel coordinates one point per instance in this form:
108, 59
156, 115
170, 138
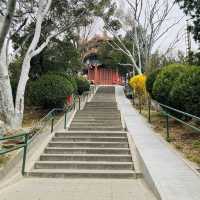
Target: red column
95, 75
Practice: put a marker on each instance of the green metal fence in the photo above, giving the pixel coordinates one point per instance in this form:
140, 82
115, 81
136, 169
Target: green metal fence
167, 110
25, 138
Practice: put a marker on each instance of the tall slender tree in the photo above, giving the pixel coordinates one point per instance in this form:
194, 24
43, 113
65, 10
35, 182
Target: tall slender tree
35, 24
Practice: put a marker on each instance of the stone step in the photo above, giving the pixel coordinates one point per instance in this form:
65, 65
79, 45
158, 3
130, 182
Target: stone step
104, 105
96, 112
95, 128
96, 116
93, 103
90, 139
49, 173
86, 157
54, 150
88, 125
90, 134
99, 108
92, 122
83, 165
89, 144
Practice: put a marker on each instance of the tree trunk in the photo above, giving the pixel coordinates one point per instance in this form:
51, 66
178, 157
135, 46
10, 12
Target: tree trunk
7, 21
19, 102
6, 98
6, 102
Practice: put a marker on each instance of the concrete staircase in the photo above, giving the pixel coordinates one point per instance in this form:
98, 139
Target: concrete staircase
96, 146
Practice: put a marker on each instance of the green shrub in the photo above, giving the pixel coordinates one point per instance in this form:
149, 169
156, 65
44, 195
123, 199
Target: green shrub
151, 79
70, 78
83, 85
73, 82
185, 93
165, 81
50, 91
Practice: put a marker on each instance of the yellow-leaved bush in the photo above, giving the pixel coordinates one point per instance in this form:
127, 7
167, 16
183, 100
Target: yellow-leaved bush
138, 84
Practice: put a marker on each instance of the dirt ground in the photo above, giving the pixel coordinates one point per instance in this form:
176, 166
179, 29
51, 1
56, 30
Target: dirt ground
33, 114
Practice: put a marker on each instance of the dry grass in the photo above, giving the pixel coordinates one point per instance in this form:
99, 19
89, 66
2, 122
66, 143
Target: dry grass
32, 115
182, 138
3, 160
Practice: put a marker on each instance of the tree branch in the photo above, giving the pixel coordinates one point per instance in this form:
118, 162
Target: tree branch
7, 21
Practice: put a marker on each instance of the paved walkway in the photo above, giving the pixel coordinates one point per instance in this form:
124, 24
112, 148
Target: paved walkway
76, 189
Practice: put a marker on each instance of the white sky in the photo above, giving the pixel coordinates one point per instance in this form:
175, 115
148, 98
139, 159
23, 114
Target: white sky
164, 42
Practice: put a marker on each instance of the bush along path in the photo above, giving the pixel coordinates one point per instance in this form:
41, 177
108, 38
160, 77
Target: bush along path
95, 146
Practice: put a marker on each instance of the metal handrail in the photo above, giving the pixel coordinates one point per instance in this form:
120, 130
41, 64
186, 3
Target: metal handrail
24, 145
26, 136
179, 111
169, 115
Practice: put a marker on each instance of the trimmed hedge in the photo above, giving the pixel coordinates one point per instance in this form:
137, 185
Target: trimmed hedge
165, 81
150, 81
50, 91
82, 84
185, 94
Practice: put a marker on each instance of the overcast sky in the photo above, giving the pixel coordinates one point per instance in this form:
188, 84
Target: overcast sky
163, 44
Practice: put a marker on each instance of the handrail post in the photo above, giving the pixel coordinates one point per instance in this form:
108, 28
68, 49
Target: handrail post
65, 122
167, 127
79, 103
149, 108
52, 124
140, 104
86, 97
74, 106
24, 154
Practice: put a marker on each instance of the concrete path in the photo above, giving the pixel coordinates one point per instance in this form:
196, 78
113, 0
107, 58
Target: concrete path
76, 189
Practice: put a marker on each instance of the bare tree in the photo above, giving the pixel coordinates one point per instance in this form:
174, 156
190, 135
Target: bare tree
146, 22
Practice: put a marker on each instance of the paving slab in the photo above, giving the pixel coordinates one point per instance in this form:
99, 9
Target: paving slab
166, 172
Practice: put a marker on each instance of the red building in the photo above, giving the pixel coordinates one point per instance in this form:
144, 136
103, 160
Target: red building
96, 72
104, 76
